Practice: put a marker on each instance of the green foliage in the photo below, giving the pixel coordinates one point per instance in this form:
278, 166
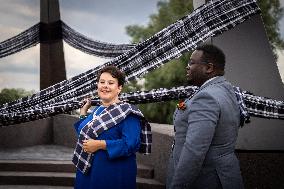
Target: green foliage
9, 95
173, 73
272, 12
132, 86
168, 12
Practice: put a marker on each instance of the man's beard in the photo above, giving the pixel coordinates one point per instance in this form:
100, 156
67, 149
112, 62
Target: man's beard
196, 80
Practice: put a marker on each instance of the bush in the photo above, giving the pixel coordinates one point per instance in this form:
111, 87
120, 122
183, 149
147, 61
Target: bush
9, 95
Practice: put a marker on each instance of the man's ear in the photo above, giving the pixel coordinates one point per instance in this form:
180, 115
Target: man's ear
210, 68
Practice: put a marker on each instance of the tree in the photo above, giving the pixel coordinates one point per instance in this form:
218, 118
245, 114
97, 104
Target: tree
271, 14
9, 95
173, 73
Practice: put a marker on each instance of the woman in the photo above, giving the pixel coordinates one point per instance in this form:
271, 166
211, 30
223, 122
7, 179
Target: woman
110, 156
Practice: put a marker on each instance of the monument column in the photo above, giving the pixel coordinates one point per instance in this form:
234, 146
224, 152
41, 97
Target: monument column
52, 64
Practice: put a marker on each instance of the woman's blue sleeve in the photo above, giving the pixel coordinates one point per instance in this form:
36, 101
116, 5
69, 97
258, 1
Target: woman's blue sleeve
130, 140
77, 124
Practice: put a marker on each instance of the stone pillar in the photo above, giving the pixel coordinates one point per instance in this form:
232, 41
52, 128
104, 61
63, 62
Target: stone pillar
52, 64
250, 65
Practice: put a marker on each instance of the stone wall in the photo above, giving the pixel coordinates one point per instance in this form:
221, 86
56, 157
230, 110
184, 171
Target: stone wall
260, 169
27, 134
161, 147
64, 132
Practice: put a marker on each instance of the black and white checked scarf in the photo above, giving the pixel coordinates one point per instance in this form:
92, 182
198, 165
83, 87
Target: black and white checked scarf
250, 105
245, 117
208, 20
24, 40
109, 118
93, 47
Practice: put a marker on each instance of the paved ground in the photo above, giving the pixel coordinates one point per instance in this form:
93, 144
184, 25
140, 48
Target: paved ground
40, 152
33, 187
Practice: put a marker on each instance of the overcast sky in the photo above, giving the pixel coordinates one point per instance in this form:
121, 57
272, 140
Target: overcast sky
103, 20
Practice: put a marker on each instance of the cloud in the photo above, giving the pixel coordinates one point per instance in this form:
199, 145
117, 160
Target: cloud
8, 32
22, 14
78, 62
17, 16
280, 64
102, 28
103, 20
26, 61
118, 10
106, 20
21, 70
281, 22
19, 80
23, 8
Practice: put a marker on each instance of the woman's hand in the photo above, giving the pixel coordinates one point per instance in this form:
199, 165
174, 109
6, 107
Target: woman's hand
87, 105
91, 145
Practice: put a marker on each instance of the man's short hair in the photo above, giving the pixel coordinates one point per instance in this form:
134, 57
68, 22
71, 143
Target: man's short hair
213, 55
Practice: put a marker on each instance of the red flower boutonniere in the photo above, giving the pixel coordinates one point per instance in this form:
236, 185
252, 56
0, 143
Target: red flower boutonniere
181, 105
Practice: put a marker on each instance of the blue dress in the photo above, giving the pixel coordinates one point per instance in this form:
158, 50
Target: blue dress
115, 167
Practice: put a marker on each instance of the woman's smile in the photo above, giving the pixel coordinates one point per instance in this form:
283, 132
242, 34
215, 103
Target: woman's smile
108, 89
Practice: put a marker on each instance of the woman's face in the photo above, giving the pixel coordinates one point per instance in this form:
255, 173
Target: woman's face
108, 88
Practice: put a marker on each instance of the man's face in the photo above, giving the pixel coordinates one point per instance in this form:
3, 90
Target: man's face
196, 69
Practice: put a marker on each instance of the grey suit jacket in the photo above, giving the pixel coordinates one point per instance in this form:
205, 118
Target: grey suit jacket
206, 133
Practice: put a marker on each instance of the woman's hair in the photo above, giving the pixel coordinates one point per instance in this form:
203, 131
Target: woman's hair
115, 73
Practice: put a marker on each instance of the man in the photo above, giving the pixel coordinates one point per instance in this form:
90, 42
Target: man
206, 130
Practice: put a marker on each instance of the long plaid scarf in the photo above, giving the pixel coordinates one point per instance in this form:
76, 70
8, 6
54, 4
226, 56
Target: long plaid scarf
110, 117
245, 117
252, 104
93, 47
207, 21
